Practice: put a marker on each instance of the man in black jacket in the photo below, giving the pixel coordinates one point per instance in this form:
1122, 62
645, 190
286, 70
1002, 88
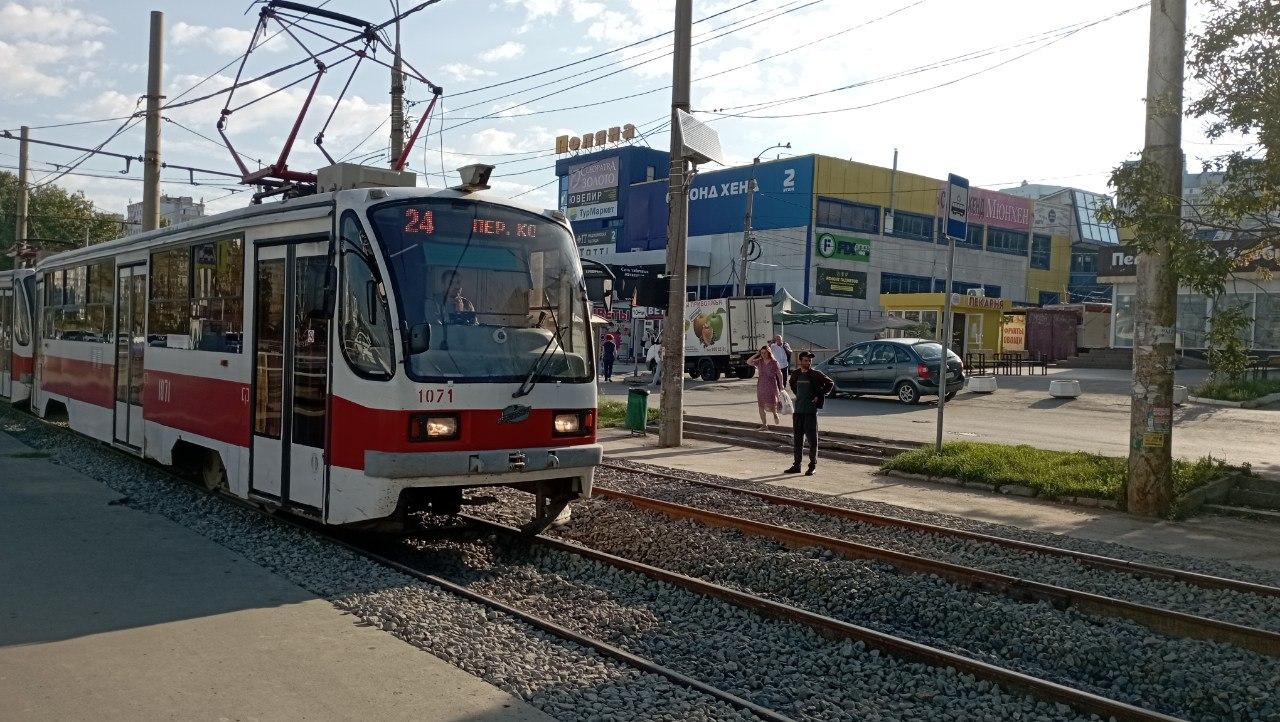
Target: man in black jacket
811, 387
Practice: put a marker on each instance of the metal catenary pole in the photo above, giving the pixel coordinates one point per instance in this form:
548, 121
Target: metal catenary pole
1150, 488
947, 323
671, 423
151, 154
20, 226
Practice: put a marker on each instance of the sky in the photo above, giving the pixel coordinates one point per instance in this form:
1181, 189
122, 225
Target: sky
1000, 91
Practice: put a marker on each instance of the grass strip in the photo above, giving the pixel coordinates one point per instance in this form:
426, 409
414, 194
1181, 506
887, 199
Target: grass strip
1051, 474
1237, 390
614, 414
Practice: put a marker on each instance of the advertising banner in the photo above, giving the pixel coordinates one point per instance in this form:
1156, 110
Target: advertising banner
597, 238
832, 244
1248, 256
593, 190
841, 282
1013, 333
783, 197
705, 329
989, 208
1052, 218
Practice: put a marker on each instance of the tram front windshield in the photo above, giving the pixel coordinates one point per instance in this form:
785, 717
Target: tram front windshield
496, 293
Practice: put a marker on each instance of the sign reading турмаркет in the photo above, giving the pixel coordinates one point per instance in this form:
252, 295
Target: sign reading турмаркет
593, 190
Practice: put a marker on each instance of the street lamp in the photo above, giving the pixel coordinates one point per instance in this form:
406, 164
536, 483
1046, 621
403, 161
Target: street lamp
744, 252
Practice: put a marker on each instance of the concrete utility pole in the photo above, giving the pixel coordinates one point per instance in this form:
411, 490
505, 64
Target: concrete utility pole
671, 425
745, 251
20, 226
397, 100
151, 154
1150, 489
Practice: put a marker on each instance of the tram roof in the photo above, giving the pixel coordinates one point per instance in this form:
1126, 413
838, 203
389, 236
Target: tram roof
357, 198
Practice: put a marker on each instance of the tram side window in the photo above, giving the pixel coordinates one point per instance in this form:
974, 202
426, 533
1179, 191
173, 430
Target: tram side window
168, 311
363, 315
74, 307
217, 303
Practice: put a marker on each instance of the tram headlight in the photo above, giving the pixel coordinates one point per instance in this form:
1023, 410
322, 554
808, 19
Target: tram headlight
432, 427
568, 424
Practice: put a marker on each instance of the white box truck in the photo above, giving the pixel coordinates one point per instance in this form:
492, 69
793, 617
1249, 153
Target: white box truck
720, 334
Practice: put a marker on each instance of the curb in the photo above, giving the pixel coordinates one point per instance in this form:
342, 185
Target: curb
1249, 404
1007, 489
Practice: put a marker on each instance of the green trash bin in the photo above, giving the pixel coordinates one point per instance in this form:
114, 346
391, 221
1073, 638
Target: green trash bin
637, 410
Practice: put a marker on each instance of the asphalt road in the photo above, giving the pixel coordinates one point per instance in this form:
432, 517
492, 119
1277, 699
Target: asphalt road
1022, 412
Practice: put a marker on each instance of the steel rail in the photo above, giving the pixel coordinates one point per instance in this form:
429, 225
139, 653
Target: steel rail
1199, 579
1080, 700
1167, 621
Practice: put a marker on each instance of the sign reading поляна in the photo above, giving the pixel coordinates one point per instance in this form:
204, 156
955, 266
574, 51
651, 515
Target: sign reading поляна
598, 139
836, 245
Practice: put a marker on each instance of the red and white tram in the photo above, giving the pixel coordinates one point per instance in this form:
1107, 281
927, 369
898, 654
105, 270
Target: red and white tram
17, 339
352, 356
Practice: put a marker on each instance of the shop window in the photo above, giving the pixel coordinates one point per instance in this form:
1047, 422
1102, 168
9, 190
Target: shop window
1041, 251
1123, 324
1267, 313
912, 225
1003, 240
1193, 320
848, 216
902, 283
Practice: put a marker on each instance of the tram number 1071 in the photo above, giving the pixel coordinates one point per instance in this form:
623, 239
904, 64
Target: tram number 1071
435, 396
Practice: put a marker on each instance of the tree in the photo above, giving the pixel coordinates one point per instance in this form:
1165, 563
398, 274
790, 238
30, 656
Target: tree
1235, 60
57, 217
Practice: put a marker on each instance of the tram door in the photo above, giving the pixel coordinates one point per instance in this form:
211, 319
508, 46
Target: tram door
290, 374
7, 323
131, 342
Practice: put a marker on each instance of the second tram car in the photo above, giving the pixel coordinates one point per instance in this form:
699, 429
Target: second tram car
17, 343
352, 356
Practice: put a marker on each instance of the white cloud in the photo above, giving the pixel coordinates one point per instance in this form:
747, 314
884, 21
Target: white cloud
506, 51
41, 69
224, 40
462, 71
49, 22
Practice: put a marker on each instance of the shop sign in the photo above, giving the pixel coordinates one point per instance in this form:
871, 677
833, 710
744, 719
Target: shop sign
1123, 260
849, 248
1013, 334
1052, 218
989, 208
597, 238
598, 139
967, 301
593, 190
841, 282
601, 251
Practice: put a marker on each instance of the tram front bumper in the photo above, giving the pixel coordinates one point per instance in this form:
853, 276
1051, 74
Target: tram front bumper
454, 468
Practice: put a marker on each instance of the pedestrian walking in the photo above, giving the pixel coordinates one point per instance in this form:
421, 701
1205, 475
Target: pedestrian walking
811, 387
781, 351
656, 350
768, 386
608, 356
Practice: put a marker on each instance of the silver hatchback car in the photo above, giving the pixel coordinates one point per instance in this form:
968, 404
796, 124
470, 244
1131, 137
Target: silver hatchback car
904, 367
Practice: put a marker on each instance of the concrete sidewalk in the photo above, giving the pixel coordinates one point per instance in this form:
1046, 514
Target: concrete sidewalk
1227, 539
1021, 412
109, 613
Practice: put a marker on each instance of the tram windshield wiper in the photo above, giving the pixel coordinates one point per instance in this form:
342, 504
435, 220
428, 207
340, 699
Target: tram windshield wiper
530, 380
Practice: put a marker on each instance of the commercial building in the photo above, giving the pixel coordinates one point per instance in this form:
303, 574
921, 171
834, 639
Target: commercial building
173, 210
1074, 212
837, 234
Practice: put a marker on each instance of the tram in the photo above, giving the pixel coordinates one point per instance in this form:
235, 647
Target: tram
17, 343
354, 356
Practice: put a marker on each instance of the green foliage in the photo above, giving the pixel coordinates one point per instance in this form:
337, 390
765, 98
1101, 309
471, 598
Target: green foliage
1237, 389
613, 414
1227, 354
57, 218
1051, 474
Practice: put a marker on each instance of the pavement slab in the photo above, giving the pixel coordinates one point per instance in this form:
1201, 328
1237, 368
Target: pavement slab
109, 613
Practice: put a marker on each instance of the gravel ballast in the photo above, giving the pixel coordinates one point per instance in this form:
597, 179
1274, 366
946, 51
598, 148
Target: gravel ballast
562, 679
1115, 658
1224, 604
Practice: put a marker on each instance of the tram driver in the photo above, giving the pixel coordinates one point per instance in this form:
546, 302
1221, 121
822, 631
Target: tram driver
453, 306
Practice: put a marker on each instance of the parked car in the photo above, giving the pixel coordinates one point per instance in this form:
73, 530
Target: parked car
904, 367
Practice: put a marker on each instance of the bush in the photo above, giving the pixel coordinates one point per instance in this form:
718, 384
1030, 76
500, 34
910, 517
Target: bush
614, 414
1237, 389
1051, 474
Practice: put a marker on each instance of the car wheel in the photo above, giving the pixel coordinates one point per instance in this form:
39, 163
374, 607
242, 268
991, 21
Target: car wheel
951, 395
907, 393
707, 370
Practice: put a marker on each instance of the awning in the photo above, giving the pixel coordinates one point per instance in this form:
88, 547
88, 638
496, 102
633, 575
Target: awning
789, 311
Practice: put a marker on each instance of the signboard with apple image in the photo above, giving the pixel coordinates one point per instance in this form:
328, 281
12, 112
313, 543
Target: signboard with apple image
704, 327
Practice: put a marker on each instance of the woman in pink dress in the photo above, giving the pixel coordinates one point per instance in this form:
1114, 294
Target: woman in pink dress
768, 385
